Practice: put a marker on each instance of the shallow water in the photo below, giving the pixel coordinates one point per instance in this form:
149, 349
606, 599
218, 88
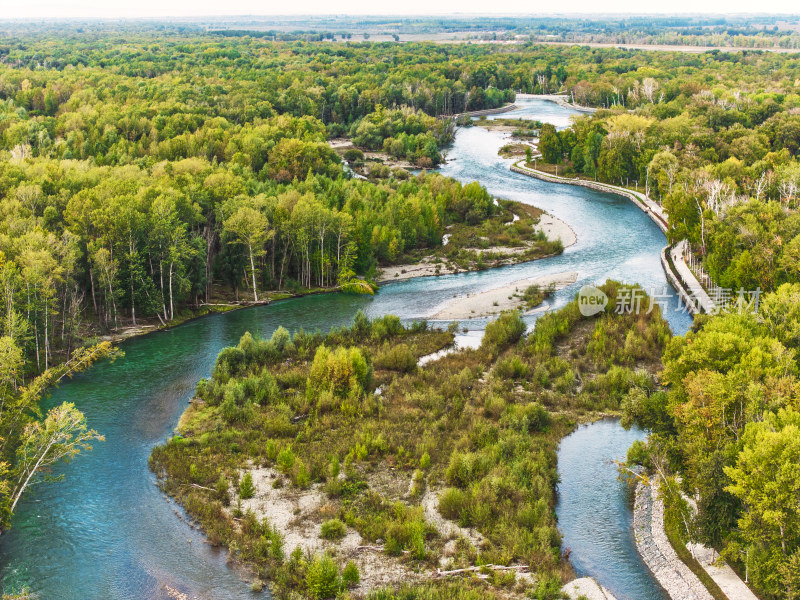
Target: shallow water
107, 532
594, 510
539, 110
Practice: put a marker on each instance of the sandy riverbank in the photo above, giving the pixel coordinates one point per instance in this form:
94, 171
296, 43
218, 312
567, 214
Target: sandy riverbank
556, 229
494, 301
586, 588
487, 111
494, 126
553, 227
343, 144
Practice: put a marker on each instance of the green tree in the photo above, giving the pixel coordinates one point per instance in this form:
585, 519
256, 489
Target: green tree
766, 478
246, 488
30, 446
250, 227
550, 144
322, 578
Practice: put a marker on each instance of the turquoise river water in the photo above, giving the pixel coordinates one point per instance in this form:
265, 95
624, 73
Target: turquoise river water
107, 532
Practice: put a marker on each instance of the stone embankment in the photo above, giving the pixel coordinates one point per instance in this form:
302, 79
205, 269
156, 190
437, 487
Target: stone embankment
691, 292
657, 552
560, 99
487, 111
653, 210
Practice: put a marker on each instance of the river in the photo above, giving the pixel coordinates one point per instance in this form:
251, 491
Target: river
106, 531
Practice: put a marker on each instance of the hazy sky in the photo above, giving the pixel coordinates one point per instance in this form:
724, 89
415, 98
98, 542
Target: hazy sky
163, 8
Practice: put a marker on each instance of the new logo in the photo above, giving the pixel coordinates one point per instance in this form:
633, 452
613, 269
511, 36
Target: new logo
591, 300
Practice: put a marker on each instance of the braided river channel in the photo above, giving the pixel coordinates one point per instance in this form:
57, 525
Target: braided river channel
107, 532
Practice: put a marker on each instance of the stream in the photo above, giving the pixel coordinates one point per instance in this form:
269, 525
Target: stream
107, 532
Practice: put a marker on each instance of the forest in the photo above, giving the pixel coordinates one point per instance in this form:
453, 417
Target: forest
147, 175
722, 162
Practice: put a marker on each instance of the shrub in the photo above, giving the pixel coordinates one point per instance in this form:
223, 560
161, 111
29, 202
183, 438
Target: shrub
303, 478
452, 503
548, 588
246, 488
286, 460
466, 468
504, 331
350, 575
229, 362
333, 529
222, 489
387, 326
533, 417
511, 368
281, 340
397, 358
425, 461
267, 391
322, 578
334, 468
392, 547
271, 450
418, 483
534, 295
344, 372
353, 155
639, 454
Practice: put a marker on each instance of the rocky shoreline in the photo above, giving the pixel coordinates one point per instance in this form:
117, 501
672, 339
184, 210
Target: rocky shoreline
656, 550
595, 185
487, 111
691, 292
560, 99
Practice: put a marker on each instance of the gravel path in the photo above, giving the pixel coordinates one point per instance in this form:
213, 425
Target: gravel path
725, 577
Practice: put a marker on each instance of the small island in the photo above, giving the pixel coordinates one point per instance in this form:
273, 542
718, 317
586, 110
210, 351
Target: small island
337, 462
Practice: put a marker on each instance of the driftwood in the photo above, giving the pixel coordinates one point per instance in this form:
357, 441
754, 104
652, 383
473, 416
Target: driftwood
520, 568
220, 304
375, 549
201, 487
299, 418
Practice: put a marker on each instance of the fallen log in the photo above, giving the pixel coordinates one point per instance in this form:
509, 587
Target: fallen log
201, 487
520, 568
375, 549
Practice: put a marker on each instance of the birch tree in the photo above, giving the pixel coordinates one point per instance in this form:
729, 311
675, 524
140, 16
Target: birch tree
32, 444
250, 228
